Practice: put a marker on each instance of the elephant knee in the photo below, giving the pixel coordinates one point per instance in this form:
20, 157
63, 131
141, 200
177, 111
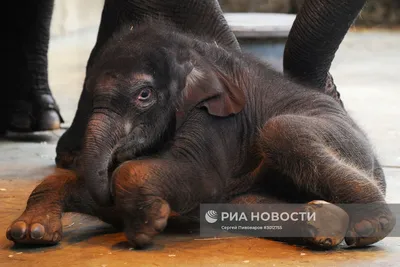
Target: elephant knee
131, 177
131, 172
130, 181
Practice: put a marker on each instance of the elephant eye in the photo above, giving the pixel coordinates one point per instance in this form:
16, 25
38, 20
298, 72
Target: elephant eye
144, 95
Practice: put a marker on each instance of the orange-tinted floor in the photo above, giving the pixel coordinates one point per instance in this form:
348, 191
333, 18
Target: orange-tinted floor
367, 72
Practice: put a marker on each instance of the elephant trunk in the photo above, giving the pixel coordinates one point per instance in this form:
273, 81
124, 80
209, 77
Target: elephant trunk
316, 35
102, 135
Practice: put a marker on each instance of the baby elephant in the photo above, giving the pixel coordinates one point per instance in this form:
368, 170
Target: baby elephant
178, 121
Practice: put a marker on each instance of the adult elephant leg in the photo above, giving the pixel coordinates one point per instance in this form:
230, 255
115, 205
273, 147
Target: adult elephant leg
200, 17
29, 101
315, 37
71, 142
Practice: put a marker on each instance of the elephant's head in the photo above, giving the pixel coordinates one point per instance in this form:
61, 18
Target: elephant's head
138, 86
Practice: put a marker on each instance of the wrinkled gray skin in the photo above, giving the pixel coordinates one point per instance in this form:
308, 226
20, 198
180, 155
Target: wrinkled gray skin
308, 56
285, 143
312, 43
202, 18
27, 104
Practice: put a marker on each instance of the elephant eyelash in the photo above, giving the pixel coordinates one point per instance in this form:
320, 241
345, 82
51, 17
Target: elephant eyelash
194, 76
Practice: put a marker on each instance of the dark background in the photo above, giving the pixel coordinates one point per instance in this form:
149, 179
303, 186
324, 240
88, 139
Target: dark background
376, 13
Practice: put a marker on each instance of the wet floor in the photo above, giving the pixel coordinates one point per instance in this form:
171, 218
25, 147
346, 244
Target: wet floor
367, 72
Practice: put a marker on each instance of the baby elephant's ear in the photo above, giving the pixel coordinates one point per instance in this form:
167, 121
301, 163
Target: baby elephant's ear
215, 91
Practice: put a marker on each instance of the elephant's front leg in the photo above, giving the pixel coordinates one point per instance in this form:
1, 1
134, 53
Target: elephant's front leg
146, 191
60, 192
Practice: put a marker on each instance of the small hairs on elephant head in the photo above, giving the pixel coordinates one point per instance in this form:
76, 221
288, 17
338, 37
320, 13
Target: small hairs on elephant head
142, 87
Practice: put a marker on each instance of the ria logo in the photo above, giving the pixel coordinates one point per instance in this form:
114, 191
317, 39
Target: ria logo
211, 216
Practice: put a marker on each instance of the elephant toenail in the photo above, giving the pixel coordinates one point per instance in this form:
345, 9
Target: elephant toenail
37, 231
18, 230
384, 222
364, 228
160, 224
165, 210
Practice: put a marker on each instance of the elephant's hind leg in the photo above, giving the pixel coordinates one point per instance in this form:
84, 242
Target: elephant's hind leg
329, 158
325, 230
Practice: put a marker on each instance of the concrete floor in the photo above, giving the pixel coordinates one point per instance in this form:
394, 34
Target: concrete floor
367, 72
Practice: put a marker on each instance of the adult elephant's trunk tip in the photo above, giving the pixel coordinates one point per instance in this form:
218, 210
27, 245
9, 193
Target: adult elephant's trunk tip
315, 37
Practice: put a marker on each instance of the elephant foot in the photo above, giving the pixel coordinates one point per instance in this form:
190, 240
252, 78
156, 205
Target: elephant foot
141, 226
329, 228
42, 114
369, 224
36, 227
145, 213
